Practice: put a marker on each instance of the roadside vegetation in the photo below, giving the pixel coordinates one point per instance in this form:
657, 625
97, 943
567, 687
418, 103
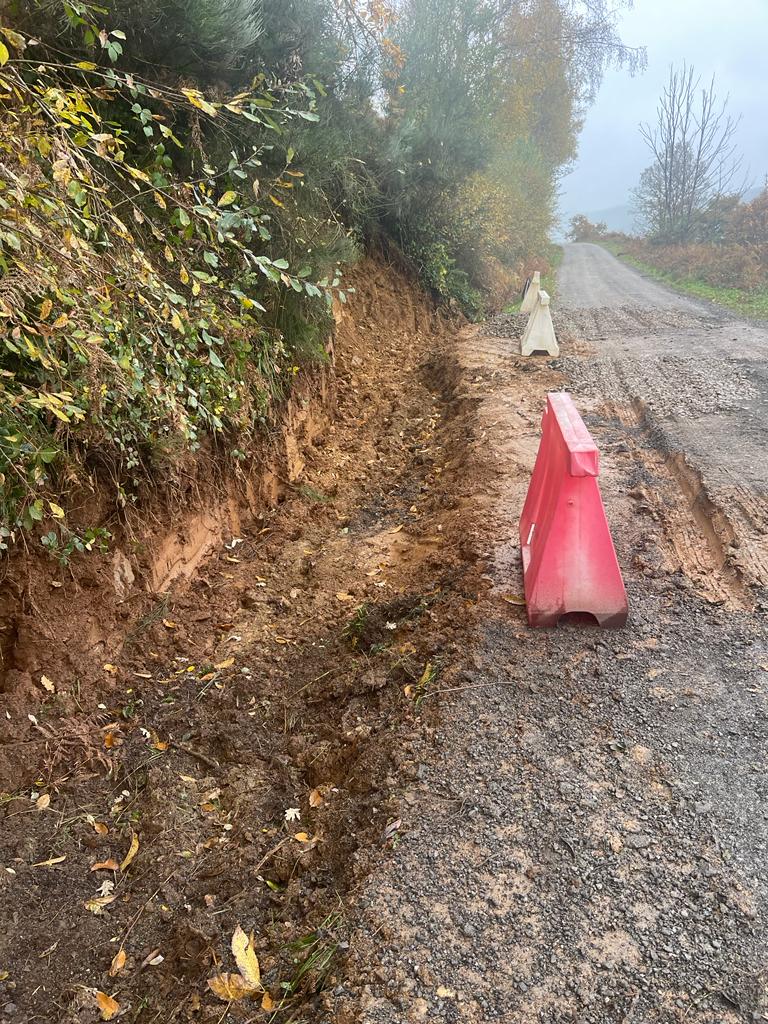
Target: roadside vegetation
182, 187
548, 267
695, 232
650, 260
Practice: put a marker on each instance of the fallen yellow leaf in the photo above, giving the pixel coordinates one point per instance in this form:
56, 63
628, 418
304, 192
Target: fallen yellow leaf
118, 963
316, 798
302, 837
48, 684
134, 849
169, 625
516, 599
225, 664
96, 904
246, 959
101, 828
112, 669
50, 862
344, 597
43, 801
230, 987
109, 1007
267, 1003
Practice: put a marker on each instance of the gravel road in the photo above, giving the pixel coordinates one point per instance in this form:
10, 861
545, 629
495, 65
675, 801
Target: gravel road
590, 277
585, 838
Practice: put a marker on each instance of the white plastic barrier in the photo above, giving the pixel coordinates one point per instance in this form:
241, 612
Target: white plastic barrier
540, 332
531, 294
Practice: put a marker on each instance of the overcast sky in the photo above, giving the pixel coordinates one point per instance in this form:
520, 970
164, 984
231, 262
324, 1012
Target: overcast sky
724, 37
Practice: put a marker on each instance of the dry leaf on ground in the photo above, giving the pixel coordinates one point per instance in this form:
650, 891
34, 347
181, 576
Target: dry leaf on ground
153, 959
108, 1006
134, 849
106, 865
245, 957
230, 987
96, 904
50, 862
118, 963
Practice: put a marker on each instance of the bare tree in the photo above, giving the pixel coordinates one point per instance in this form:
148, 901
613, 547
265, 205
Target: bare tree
695, 160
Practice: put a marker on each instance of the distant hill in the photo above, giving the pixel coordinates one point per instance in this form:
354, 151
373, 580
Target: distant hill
622, 218
617, 218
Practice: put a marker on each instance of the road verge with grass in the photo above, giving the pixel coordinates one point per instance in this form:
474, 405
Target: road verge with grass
751, 302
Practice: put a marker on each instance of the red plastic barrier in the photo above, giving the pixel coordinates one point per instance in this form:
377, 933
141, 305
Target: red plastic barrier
569, 560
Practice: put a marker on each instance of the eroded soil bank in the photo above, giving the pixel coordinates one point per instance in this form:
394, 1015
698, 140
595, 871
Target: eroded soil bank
245, 721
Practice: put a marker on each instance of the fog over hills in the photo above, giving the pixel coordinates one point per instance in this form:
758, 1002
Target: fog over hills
622, 217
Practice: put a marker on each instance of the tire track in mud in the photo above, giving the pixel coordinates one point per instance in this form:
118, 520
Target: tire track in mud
700, 537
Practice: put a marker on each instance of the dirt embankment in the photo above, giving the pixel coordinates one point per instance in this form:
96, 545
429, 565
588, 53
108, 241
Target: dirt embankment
232, 693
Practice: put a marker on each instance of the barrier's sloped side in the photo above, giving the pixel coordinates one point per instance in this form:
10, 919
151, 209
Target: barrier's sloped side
539, 335
569, 561
531, 293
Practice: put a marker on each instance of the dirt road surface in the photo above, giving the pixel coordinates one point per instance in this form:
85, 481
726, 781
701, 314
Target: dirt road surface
585, 840
343, 737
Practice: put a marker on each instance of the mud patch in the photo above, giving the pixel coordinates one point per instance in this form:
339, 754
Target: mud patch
699, 540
